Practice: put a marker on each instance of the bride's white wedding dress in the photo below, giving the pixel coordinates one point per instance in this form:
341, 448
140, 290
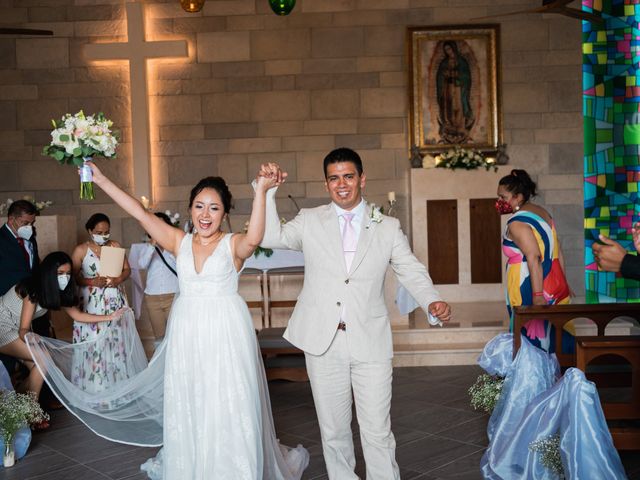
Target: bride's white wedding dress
216, 421
217, 417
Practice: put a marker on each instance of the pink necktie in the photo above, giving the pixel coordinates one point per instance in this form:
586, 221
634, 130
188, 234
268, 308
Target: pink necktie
349, 239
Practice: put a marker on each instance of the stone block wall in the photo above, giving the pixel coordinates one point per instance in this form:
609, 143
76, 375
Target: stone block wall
257, 87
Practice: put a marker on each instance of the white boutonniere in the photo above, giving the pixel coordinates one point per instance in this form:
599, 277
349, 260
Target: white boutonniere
375, 216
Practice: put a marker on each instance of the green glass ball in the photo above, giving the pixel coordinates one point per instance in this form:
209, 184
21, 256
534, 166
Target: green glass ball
282, 7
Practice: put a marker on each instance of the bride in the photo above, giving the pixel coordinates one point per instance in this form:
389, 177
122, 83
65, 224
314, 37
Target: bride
216, 421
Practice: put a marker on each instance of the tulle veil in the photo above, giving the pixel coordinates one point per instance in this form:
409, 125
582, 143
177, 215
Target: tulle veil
131, 411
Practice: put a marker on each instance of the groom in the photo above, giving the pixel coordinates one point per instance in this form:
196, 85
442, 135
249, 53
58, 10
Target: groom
340, 320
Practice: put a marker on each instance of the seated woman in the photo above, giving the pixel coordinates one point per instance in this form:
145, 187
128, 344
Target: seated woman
50, 287
531, 245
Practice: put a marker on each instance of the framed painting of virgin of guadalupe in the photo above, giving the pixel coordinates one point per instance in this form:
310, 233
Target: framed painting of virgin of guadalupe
454, 79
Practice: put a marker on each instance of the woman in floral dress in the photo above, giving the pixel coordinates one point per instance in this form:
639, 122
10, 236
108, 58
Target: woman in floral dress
101, 296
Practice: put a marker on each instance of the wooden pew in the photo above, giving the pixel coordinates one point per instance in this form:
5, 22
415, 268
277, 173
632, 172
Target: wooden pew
601, 314
591, 349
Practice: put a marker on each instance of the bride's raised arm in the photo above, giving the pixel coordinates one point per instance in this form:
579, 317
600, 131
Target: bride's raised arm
245, 244
168, 237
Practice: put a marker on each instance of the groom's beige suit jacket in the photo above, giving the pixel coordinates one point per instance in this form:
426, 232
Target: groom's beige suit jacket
328, 286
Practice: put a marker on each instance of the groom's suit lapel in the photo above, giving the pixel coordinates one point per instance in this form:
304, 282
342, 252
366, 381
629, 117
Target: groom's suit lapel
329, 221
366, 237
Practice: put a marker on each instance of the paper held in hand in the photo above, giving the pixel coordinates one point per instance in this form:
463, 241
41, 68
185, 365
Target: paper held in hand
111, 261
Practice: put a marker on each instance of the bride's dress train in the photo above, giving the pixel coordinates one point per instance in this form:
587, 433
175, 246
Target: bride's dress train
216, 420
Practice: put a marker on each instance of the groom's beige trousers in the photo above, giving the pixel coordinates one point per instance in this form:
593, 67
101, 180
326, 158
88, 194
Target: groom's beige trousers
333, 375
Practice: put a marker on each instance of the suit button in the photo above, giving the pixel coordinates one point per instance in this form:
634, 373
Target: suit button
338, 303
347, 281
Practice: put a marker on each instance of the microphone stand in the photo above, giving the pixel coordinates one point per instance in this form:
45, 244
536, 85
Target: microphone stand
295, 203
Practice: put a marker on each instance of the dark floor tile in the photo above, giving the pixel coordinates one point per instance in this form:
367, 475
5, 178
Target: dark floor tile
82, 445
403, 406
123, 465
294, 416
62, 418
431, 452
72, 473
441, 394
435, 419
137, 476
38, 461
465, 468
474, 431
438, 435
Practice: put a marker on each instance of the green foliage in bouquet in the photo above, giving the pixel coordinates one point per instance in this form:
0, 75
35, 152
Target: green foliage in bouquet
465, 159
267, 252
549, 449
18, 410
486, 392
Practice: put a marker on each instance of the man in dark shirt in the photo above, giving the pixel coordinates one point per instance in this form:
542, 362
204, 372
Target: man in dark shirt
18, 247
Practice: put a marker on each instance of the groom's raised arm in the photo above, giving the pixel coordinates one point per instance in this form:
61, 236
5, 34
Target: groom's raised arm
278, 235
411, 273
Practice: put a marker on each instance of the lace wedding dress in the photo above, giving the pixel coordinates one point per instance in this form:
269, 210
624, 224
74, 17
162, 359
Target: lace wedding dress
216, 421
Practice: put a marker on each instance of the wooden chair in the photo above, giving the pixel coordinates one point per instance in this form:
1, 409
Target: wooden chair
589, 349
281, 359
280, 303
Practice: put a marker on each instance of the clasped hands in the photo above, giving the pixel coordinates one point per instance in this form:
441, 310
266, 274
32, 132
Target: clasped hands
103, 282
609, 254
270, 175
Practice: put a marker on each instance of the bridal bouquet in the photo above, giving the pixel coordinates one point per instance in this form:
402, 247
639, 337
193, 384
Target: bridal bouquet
76, 139
463, 158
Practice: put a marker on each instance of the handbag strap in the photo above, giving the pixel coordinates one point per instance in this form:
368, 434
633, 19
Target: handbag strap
164, 260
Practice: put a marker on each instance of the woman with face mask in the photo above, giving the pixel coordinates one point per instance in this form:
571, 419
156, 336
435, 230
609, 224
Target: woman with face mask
50, 287
535, 261
101, 296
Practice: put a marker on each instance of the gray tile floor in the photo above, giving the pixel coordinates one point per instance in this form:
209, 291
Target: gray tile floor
438, 435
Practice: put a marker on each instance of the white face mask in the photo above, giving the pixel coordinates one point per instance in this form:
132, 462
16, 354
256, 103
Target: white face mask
63, 280
100, 239
25, 232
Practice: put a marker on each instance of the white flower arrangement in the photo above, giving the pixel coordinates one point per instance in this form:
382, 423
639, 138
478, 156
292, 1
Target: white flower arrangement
4, 207
486, 392
549, 449
78, 138
376, 215
173, 217
466, 159
17, 410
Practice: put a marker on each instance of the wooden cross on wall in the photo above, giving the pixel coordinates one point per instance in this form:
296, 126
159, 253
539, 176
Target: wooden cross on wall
137, 51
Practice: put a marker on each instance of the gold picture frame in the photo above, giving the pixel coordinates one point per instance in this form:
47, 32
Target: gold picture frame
453, 87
